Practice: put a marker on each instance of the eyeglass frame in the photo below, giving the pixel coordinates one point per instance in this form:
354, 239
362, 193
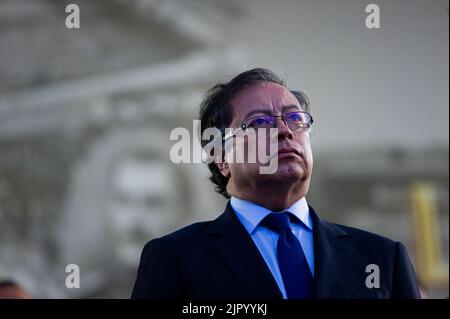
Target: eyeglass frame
243, 126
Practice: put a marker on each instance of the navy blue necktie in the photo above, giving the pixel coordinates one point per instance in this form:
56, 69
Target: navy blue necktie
297, 277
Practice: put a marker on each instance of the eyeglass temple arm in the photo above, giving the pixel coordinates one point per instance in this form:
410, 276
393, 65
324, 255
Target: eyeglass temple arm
241, 127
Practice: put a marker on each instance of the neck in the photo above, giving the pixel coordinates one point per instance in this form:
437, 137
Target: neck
273, 197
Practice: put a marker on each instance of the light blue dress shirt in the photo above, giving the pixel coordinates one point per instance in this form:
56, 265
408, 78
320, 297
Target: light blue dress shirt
251, 215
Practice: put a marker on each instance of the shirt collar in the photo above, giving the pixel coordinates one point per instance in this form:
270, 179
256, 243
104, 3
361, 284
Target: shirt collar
254, 213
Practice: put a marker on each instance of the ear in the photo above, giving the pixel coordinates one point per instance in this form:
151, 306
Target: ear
224, 168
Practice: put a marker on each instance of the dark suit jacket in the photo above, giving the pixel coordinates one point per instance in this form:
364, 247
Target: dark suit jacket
218, 259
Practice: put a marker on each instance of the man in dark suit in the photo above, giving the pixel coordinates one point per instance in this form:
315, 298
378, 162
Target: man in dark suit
269, 243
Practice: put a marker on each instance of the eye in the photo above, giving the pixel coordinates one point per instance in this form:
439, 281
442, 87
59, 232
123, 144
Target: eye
295, 117
261, 121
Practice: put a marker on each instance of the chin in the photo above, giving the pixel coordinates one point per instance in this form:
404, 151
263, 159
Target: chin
290, 173
291, 167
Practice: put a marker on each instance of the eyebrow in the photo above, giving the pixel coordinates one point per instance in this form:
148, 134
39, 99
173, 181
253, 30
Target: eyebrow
284, 108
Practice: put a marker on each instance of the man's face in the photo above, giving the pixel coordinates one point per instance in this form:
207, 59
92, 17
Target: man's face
294, 167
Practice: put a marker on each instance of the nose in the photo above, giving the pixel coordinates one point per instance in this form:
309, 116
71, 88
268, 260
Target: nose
283, 129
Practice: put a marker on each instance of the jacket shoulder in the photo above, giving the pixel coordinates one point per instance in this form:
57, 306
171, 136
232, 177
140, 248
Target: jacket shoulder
371, 247
357, 232
185, 236
365, 237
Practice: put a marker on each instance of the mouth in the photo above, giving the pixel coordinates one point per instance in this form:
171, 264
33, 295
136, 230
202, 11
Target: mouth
289, 152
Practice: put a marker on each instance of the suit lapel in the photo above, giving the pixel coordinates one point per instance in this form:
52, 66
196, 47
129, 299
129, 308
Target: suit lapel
331, 255
234, 247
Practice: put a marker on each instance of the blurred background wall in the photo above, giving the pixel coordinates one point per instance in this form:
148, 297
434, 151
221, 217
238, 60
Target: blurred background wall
86, 114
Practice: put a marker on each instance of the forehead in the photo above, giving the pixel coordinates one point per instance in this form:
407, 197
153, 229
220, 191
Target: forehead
269, 96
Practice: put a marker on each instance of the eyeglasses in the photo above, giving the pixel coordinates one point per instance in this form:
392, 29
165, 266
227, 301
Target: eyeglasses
294, 120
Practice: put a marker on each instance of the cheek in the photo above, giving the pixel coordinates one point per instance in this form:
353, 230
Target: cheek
305, 142
238, 171
307, 146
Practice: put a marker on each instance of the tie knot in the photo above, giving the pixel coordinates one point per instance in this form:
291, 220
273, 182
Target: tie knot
277, 221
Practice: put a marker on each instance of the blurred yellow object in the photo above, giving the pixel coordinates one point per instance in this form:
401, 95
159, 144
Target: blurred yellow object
432, 272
